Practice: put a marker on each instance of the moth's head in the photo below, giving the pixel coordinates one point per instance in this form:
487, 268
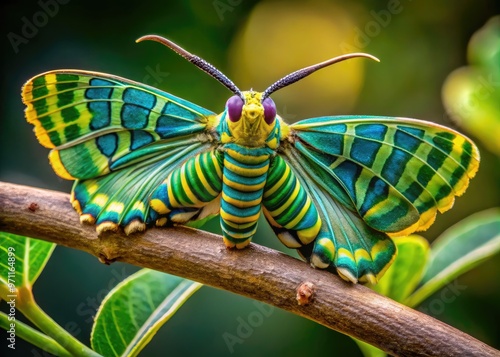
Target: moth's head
250, 118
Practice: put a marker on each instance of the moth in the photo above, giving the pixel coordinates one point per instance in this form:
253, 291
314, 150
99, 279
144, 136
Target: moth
336, 188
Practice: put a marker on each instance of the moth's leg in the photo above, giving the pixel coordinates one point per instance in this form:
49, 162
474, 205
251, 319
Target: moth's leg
288, 207
189, 189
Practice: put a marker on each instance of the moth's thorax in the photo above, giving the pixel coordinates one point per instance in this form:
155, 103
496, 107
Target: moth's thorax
251, 128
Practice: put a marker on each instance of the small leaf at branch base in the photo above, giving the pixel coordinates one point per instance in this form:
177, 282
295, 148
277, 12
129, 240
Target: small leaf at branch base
22, 259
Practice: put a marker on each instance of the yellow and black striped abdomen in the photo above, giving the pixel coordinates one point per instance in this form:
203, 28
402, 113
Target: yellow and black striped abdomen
288, 207
244, 177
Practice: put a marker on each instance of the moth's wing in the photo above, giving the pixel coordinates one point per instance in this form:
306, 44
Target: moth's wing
122, 197
97, 123
116, 137
345, 244
396, 172
393, 174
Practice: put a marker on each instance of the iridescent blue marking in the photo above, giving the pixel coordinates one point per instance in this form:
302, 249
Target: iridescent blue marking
134, 116
101, 110
161, 193
175, 111
101, 114
98, 93
177, 121
136, 214
377, 191
101, 82
91, 209
364, 151
348, 172
140, 138
371, 131
331, 143
397, 158
406, 141
419, 133
108, 216
107, 144
139, 98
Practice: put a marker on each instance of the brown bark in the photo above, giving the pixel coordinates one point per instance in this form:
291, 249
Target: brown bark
257, 272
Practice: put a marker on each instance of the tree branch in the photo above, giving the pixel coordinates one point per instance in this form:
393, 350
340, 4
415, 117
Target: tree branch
257, 272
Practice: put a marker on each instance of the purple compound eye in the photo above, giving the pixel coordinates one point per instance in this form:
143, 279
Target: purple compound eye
234, 106
269, 110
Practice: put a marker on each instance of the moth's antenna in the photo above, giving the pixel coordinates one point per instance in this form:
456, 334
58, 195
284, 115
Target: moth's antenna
304, 72
197, 61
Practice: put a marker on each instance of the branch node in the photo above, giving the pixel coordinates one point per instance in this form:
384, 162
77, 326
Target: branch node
102, 258
305, 293
33, 207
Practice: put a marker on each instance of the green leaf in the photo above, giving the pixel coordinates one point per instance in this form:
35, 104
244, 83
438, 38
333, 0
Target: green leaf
470, 94
369, 350
471, 99
459, 249
22, 260
135, 309
484, 46
407, 269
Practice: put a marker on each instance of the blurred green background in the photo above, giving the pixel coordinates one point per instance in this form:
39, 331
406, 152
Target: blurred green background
255, 43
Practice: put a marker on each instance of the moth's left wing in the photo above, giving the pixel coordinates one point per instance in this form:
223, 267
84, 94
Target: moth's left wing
396, 172
393, 174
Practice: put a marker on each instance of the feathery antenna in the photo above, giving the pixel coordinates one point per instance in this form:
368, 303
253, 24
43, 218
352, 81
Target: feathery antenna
197, 61
304, 72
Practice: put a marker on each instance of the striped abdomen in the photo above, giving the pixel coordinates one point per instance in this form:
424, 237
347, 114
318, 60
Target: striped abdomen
288, 207
244, 177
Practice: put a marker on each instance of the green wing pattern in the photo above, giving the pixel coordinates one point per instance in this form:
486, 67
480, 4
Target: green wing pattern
344, 244
396, 172
393, 174
94, 120
122, 197
119, 139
